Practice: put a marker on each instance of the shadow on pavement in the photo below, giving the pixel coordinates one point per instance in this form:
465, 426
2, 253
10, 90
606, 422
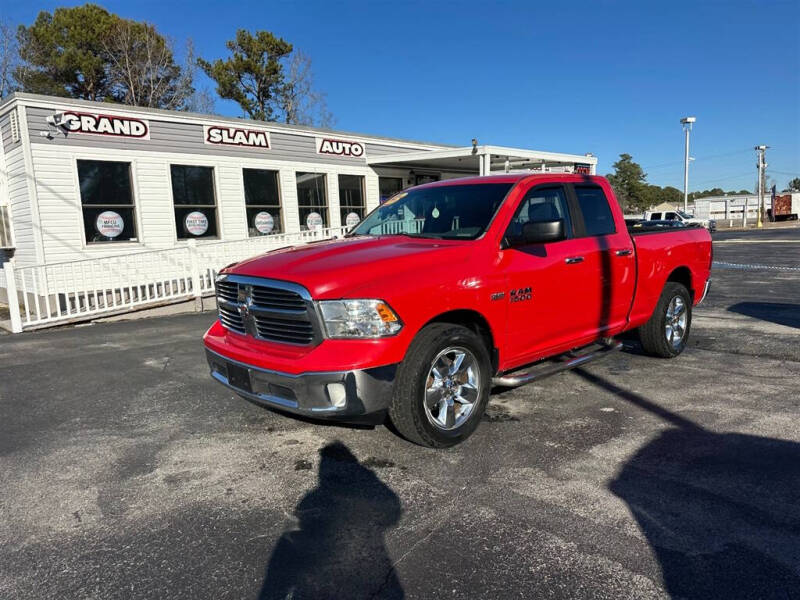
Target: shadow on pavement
338, 549
774, 312
720, 510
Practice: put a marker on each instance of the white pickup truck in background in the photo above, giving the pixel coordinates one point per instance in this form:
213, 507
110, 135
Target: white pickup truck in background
679, 215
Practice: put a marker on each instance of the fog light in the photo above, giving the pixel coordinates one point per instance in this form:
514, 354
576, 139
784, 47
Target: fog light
337, 394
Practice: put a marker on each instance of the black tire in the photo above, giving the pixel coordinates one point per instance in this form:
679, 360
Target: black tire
407, 411
654, 334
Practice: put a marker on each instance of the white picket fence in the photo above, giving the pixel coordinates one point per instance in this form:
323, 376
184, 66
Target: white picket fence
58, 293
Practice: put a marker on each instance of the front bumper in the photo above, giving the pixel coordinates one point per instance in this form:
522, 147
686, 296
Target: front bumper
360, 395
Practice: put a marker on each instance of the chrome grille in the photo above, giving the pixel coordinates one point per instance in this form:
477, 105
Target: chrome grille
284, 330
231, 318
272, 310
277, 298
228, 290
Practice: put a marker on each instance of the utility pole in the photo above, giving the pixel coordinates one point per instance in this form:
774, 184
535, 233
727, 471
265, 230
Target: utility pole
687, 127
762, 165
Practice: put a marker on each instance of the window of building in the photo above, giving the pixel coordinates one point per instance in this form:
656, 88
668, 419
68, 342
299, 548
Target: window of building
5, 228
541, 204
195, 201
351, 199
388, 187
597, 217
312, 201
107, 201
263, 202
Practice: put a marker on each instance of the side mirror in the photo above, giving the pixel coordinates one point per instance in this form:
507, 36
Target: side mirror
540, 232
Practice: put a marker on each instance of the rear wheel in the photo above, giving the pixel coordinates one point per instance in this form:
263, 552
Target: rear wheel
442, 386
667, 331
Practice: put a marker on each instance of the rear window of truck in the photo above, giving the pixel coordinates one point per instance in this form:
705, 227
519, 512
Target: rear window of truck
597, 217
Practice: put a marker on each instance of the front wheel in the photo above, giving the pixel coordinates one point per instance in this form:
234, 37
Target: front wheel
667, 331
442, 386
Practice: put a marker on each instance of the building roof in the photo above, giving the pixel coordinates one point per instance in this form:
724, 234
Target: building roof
180, 114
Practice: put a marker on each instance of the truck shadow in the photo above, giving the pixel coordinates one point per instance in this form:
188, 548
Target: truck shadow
720, 510
337, 549
774, 312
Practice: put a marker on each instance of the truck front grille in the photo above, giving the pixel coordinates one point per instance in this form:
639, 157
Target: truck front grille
277, 311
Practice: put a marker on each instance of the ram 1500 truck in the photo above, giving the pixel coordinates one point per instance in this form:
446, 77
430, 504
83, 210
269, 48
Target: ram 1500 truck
447, 289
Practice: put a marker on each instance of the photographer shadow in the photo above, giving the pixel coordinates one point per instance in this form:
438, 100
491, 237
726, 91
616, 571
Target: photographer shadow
337, 549
720, 510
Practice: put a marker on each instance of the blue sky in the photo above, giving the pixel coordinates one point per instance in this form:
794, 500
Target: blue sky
601, 77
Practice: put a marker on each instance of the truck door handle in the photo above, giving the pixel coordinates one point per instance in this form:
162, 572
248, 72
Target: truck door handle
573, 260
626, 252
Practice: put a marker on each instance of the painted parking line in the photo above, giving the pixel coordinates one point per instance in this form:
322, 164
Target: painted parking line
754, 267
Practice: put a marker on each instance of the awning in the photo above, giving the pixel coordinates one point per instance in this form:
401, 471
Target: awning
484, 160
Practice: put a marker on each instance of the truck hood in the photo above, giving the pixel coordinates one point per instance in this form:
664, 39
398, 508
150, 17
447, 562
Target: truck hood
355, 266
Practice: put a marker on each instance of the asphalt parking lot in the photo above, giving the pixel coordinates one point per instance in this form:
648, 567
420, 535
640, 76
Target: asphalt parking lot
125, 472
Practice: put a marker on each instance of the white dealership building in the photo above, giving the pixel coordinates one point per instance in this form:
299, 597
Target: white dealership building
85, 181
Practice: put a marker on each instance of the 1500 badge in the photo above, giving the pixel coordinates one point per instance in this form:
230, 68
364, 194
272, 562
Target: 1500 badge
520, 294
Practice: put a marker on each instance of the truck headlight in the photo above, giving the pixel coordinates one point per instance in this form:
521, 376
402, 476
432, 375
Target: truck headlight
359, 318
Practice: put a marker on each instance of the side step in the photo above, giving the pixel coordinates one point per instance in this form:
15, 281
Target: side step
569, 361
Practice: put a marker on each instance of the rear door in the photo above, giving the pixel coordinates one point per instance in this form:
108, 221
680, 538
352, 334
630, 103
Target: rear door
609, 264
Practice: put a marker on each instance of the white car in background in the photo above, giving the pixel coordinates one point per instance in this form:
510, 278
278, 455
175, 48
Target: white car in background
679, 215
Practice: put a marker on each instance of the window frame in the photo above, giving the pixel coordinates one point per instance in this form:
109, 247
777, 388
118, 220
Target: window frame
580, 223
264, 206
5, 227
214, 183
571, 231
327, 205
342, 206
131, 162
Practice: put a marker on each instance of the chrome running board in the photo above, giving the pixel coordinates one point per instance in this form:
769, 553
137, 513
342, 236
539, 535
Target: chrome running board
569, 361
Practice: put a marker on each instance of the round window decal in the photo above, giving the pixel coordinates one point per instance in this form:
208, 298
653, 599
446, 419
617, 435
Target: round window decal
314, 221
263, 222
196, 223
352, 219
109, 224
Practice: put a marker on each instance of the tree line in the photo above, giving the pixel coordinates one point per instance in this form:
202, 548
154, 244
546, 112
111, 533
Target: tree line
86, 52
636, 195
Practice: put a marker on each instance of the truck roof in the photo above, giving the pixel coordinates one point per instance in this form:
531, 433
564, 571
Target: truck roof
513, 178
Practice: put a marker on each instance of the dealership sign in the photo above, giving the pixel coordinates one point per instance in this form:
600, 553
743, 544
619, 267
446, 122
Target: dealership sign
109, 224
196, 223
235, 136
110, 125
582, 169
314, 221
336, 147
263, 222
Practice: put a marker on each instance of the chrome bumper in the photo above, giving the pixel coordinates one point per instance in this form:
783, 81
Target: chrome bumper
361, 395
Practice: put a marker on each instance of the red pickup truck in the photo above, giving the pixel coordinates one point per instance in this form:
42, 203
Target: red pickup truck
447, 289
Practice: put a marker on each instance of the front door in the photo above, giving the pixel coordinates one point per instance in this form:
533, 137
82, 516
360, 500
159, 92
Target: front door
545, 283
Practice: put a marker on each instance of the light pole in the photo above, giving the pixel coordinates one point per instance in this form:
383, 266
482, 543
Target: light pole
761, 166
687, 127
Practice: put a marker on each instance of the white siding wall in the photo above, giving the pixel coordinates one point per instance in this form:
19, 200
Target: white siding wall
59, 200
19, 207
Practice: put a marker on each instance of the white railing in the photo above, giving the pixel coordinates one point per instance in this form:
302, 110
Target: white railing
56, 293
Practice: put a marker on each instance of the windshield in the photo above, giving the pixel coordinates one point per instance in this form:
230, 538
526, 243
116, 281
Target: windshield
685, 215
447, 212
